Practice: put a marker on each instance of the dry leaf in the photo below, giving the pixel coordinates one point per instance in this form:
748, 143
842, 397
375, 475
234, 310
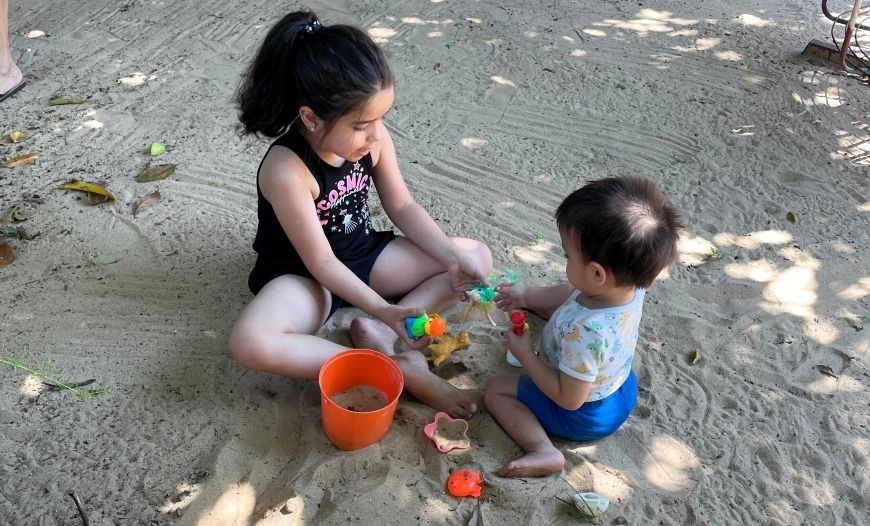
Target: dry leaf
15, 231
12, 214
825, 370
6, 254
96, 193
106, 260
16, 136
145, 202
61, 101
21, 160
694, 356
791, 217
155, 173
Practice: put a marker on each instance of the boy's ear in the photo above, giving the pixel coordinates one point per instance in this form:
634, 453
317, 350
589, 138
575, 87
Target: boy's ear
598, 273
308, 117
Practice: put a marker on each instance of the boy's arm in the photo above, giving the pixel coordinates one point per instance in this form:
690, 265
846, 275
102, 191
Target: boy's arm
569, 393
543, 301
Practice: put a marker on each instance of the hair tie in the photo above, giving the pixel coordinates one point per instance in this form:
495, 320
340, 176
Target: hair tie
312, 26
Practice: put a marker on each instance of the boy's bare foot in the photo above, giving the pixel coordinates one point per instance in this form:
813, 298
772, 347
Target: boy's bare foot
366, 333
535, 464
433, 390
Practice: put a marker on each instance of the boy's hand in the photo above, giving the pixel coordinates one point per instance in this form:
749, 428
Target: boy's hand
520, 346
394, 317
511, 296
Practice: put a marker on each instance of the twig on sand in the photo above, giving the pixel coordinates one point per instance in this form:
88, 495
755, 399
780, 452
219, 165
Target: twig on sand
73, 385
82, 514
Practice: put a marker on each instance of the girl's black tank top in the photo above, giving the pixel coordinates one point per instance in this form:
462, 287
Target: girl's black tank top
342, 208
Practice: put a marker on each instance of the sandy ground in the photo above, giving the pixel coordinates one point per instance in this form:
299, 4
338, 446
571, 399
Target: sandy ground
503, 107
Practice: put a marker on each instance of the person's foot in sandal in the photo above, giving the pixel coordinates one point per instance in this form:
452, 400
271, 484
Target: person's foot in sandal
11, 79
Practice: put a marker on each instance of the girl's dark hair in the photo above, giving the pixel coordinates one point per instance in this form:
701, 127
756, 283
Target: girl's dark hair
331, 69
625, 224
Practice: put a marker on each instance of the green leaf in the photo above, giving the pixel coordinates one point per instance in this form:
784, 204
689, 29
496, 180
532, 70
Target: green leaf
792, 217
157, 149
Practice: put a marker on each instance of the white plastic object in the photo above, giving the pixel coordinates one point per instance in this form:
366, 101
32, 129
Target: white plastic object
591, 501
511, 359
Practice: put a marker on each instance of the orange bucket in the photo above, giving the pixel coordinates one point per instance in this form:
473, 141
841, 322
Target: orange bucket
351, 430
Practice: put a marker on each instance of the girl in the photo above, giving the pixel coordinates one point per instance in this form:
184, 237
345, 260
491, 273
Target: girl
323, 92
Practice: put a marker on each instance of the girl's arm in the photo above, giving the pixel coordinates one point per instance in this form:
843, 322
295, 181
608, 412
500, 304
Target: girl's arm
288, 186
569, 393
414, 221
543, 301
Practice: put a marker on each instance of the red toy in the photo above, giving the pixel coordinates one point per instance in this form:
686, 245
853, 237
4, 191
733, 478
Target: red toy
464, 483
518, 319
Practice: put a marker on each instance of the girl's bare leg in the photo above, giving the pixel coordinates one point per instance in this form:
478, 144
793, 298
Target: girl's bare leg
541, 457
404, 270
274, 331
274, 334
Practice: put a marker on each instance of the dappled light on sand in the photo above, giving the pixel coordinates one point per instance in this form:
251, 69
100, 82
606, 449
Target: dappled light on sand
856, 291
185, 494
649, 21
751, 20
233, 508
754, 240
669, 463
31, 387
473, 143
382, 34
539, 252
791, 279
694, 250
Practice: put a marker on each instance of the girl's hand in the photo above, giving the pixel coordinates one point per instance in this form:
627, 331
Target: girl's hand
520, 346
465, 273
511, 296
394, 317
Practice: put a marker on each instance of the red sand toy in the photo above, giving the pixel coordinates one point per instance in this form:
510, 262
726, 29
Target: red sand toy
464, 483
518, 319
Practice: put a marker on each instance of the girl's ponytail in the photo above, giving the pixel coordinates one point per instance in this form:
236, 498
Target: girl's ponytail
267, 99
331, 69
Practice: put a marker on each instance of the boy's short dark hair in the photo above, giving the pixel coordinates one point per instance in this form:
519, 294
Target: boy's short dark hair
626, 224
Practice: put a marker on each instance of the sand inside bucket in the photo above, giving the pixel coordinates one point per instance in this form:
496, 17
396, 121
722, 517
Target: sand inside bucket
360, 398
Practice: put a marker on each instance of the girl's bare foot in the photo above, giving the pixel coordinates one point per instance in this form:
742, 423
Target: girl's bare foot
366, 333
433, 390
534, 464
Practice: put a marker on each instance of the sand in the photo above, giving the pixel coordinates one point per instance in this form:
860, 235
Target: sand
362, 398
502, 108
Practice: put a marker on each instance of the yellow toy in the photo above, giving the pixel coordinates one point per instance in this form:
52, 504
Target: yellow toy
446, 345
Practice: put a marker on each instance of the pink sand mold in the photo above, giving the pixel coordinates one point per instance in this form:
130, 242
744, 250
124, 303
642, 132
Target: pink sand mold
455, 436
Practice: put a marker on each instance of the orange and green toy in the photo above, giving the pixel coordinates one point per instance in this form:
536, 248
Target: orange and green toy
464, 483
428, 324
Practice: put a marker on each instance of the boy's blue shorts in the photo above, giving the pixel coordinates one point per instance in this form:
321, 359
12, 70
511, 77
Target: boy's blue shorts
593, 420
